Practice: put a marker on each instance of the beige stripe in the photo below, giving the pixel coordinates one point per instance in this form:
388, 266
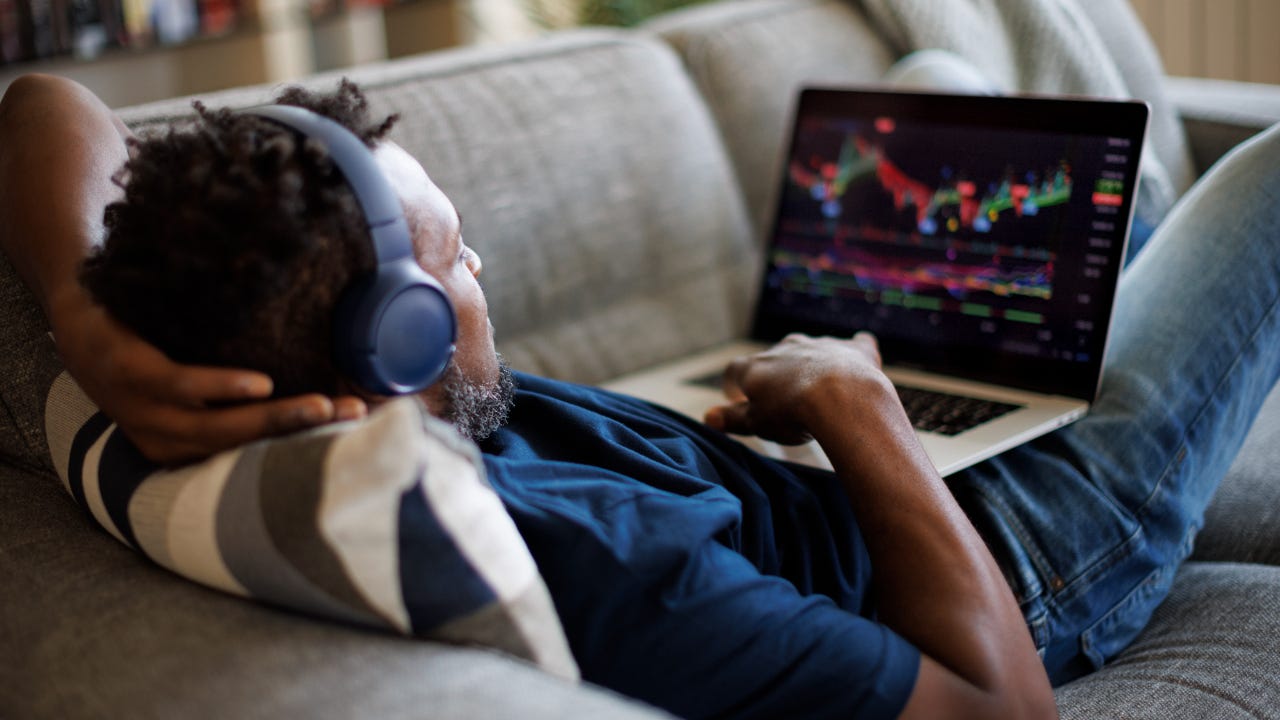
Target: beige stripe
366, 473
474, 516
256, 512
289, 493
150, 509
192, 530
66, 410
537, 621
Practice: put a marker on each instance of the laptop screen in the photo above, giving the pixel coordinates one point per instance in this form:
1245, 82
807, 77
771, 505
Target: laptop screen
979, 237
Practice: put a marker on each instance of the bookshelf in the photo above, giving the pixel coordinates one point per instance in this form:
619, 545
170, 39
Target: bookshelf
265, 41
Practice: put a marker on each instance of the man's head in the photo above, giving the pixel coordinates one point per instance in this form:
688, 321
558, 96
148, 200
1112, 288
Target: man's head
236, 237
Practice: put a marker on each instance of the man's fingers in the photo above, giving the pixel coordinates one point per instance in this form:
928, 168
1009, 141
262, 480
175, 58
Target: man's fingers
869, 344
198, 386
179, 435
149, 373
349, 408
731, 418
277, 417
732, 380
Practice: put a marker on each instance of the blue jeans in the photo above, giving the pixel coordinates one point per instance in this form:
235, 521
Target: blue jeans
1091, 523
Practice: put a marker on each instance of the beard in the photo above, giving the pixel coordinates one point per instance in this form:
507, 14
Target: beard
478, 409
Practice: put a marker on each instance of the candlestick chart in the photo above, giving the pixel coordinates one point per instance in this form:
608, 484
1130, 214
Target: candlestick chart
953, 202
903, 219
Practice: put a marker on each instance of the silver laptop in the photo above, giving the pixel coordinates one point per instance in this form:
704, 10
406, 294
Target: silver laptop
979, 238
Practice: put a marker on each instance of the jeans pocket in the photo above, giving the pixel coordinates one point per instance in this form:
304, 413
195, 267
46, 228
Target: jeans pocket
1036, 616
1113, 632
1025, 583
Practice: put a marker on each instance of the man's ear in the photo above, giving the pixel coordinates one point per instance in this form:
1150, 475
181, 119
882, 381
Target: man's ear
434, 398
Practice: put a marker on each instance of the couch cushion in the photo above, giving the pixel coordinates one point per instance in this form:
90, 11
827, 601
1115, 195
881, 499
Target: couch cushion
749, 58
28, 365
1209, 652
93, 630
385, 522
592, 181
1136, 57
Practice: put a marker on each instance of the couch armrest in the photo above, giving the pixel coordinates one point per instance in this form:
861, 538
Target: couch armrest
1220, 114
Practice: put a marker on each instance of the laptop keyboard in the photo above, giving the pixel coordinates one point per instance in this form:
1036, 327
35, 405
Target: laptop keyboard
947, 414
929, 410
713, 380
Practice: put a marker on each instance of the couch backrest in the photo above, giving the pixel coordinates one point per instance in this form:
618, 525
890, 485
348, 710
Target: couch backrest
1124, 35
592, 181
749, 58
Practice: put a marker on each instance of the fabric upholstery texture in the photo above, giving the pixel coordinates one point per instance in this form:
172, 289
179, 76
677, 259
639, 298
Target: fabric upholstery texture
749, 58
386, 522
1242, 524
1211, 651
28, 364
91, 629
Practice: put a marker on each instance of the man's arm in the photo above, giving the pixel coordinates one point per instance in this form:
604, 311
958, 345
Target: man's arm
61, 147
935, 582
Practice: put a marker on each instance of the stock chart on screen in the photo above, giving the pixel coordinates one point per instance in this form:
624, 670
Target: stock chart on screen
916, 217
965, 232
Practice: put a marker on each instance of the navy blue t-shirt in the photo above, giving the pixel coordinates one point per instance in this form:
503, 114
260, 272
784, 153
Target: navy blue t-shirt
690, 572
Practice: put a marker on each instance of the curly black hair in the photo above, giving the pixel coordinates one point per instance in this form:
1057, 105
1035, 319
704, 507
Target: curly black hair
234, 239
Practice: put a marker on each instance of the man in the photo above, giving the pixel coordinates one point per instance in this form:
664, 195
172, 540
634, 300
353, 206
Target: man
686, 570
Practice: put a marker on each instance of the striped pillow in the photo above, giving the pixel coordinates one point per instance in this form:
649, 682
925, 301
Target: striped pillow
386, 522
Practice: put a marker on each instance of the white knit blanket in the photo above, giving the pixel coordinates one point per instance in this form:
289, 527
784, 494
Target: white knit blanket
1052, 46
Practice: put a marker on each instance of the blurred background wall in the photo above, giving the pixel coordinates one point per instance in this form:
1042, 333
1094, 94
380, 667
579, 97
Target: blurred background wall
132, 51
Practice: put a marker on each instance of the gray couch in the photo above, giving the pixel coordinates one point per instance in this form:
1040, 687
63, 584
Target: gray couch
614, 182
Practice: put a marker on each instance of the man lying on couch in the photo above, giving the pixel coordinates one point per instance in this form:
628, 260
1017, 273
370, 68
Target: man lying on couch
687, 571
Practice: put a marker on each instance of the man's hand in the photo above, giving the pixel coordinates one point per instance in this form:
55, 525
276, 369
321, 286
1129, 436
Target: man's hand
175, 413
61, 146
772, 393
935, 582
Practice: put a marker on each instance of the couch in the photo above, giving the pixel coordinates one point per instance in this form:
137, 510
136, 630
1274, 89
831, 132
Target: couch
615, 182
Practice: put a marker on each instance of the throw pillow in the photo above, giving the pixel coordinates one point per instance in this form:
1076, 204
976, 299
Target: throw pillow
386, 522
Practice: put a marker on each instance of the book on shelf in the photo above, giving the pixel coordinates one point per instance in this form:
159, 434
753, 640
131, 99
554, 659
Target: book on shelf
38, 34
218, 16
10, 32
38, 29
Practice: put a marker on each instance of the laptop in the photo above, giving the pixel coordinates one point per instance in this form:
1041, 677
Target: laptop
979, 238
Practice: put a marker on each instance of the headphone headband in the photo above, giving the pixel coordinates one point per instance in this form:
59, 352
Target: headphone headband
393, 330
378, 200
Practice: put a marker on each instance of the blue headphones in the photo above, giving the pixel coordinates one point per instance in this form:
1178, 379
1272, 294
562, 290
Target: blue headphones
394, 331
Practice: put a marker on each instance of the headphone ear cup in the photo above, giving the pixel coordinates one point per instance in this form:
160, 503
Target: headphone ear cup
395, 333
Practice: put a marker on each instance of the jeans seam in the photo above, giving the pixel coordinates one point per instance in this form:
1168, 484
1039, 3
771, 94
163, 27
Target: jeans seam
1180, 455
1121, 550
